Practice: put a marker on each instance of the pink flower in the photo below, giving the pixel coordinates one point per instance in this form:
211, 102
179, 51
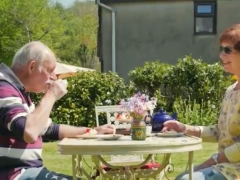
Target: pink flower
138, 105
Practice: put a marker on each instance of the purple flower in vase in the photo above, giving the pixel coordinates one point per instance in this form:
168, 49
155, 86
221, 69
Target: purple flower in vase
138, 105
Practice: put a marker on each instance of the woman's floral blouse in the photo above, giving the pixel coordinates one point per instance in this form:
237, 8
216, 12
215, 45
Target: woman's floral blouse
227, 134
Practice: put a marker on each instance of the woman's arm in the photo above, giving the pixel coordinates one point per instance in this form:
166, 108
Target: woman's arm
209, 133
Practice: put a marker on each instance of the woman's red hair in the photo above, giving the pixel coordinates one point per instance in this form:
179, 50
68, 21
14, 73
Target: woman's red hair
232, 35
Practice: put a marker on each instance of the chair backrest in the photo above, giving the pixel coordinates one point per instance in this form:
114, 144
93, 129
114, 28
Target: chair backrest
112, 113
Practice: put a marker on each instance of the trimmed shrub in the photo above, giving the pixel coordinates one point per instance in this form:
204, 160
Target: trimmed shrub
196, 81
192, 80
148, 79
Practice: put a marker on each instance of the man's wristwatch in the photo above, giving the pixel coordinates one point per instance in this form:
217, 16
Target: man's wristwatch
215, 158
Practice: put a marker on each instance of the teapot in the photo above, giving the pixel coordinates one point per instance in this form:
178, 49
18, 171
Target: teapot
159, 118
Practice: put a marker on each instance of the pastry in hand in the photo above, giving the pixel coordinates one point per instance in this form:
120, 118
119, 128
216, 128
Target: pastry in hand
91, 132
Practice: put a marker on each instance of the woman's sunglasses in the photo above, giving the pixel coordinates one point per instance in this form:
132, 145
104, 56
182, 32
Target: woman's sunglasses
226, 50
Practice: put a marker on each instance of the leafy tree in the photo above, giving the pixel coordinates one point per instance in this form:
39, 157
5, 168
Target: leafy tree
86, 34
23, 21
71, 33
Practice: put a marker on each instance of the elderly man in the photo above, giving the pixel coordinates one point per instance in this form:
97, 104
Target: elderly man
22, 125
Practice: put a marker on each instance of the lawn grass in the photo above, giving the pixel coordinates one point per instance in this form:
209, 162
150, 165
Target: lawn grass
62, 163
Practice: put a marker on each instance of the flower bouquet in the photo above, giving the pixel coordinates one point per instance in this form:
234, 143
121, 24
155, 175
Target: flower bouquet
138, 108
139, 105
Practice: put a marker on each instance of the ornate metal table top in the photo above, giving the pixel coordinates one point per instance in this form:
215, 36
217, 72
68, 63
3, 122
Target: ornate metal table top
153, 145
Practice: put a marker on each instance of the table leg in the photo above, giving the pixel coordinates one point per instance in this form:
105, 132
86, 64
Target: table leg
74, 170
190, 165
81, 170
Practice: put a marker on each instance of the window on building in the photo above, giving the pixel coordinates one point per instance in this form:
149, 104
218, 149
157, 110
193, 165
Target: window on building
205, 17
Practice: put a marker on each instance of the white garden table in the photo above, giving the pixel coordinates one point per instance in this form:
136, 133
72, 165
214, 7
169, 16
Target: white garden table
152, 145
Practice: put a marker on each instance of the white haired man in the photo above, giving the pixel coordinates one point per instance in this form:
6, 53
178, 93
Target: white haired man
22, 125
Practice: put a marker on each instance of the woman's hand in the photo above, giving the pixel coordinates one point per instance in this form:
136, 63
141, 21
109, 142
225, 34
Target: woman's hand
174, 125
208, 163
202, 166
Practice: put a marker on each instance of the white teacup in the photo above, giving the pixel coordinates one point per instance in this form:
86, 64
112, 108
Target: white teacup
148, 130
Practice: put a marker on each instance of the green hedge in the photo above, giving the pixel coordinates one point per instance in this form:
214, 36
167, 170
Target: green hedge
85, 90
189, 79
189, 87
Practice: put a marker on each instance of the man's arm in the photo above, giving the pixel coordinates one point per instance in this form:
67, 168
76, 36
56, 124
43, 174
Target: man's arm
58, 132
37, 120
52, 132
16, 118
70, 131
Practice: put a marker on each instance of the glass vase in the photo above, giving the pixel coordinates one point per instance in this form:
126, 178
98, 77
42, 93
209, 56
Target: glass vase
138, 130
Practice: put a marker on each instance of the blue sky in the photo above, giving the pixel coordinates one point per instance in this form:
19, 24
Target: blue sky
67, 3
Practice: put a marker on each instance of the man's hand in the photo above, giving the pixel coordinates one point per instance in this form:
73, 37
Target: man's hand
174, 125
105, 129
58, 88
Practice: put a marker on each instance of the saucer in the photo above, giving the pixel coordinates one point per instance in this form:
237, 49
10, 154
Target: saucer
87, 136
170, 134
151, 134
109, 136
